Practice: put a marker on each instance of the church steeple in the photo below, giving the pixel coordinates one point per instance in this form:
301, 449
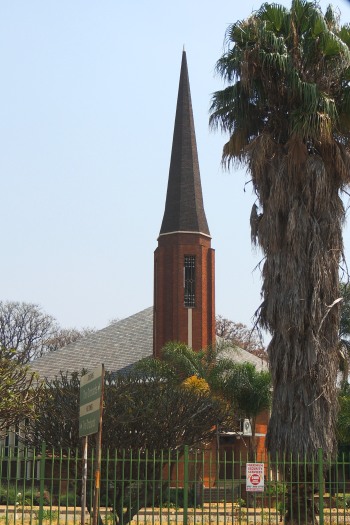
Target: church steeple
184, 285
184, 210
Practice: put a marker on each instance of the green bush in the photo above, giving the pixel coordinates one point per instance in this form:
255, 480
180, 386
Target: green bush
17, 495
343, 501
273, 495
275, 489
69, 500
47, 514
14, 495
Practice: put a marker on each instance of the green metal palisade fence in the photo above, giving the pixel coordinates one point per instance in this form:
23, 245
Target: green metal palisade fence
167, 487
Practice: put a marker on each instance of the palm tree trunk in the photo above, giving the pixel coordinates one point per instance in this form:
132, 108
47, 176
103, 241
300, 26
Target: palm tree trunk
301, 507
300, 233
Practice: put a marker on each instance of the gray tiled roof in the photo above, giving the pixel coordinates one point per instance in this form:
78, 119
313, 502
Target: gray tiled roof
118, 346
238, 355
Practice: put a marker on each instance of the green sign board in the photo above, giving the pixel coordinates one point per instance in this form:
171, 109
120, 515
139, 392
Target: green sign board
90, 401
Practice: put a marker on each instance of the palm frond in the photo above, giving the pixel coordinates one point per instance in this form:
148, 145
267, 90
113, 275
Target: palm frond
274, 61
331, 19
344, 34
318, 23
275, 15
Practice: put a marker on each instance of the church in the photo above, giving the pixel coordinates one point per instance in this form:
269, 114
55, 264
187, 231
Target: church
184, 280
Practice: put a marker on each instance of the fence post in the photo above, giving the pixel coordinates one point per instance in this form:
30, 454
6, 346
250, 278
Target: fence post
42, 483
185, 485
320, 486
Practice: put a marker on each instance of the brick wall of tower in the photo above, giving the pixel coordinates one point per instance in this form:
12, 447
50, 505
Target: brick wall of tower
170, 314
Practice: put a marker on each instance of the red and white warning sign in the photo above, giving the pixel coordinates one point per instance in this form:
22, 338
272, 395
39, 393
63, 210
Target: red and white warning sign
255, 477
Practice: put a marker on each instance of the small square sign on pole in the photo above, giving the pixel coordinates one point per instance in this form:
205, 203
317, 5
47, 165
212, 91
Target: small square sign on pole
255, 477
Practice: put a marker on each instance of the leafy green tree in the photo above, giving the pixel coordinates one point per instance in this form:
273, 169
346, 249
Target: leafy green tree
20, 391
57, 418
179, 415
287, 111
246, 391
146, 412
344, 332
343, 423
149, 411
344, 329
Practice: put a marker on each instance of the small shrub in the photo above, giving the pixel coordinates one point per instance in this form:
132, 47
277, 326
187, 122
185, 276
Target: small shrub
239, 510
12, 495
8, 495
48, 514
46, 497
68, 500
343, 501
275, 488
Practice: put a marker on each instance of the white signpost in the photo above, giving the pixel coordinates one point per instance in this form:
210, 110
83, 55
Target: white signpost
255, 477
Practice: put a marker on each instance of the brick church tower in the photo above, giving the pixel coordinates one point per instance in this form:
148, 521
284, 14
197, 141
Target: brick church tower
184, 283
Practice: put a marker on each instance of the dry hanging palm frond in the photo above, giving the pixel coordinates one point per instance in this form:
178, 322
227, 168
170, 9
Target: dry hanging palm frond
234, 149
254, 224
297, 154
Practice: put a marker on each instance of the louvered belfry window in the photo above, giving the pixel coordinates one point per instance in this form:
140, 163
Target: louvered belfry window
189, 280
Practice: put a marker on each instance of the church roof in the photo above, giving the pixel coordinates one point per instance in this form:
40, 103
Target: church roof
184, 209
118, 346
240, 356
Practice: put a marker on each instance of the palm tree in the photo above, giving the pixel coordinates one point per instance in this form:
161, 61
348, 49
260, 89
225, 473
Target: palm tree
245, 390
206, 364
249, 391
287, 112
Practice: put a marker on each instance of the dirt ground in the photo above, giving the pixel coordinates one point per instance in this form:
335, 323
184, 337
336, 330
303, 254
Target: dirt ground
219, 515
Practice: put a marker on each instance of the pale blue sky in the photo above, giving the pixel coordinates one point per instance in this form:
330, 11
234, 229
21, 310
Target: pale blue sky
88, 94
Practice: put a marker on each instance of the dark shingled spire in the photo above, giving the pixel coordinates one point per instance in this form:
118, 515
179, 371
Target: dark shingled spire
184, 210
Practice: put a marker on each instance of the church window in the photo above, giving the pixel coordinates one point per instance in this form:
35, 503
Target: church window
189, 281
